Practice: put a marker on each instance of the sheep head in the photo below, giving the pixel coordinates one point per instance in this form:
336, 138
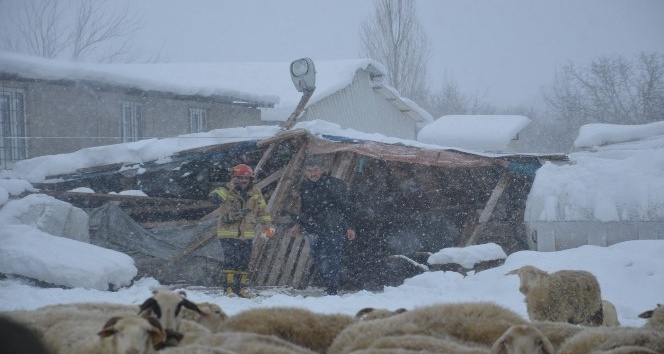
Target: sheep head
133, 334
522, 339
370, 313
166, 306
529, 276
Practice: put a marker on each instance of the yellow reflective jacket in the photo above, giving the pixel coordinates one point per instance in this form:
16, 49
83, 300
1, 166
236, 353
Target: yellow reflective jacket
238, 217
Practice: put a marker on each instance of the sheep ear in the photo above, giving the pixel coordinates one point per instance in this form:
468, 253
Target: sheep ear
182, 293
515, 271
647, 314
363, 312
499, 347
401, 310
109, 328
152, 305
190, 305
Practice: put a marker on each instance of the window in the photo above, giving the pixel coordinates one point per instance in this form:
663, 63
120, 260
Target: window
197, 120
13, 138
130, 126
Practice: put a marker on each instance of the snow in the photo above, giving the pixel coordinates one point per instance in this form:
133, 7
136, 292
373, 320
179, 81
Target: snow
619, 177
468, 256
474, 132
608, 181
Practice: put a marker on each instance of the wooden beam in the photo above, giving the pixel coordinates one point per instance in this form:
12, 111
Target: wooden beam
271, 178
259, 166
489, 208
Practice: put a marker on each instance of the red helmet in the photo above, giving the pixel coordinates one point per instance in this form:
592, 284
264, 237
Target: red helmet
242, 170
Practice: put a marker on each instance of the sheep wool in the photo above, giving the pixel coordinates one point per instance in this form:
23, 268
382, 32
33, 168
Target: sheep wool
117, 335
610, 314
521, 339
655, 318
370, 313
475, 322
599, 339
572, 296
303, 327
238, 342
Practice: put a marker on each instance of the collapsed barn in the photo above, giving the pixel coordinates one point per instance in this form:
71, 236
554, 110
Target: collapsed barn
409, 201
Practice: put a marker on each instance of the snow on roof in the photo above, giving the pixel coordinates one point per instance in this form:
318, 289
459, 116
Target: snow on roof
474, 132
267, 82
620, 178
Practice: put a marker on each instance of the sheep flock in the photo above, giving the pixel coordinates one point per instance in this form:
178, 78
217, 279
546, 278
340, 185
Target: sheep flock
575, 320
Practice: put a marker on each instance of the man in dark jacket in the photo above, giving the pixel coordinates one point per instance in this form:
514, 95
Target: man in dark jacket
325, 214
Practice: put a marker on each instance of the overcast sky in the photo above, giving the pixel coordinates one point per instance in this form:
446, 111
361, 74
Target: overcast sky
508, 48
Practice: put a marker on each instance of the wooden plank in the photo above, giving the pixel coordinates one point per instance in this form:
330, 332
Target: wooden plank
279, 257
286, 181
192, 246
266, 156
266, 263
291, 261
270, 179
489, 208
304, 266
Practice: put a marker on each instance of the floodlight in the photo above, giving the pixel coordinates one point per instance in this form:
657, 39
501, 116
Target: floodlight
303, 74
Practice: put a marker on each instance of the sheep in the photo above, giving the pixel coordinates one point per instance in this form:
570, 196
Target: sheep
370, 313
300, 326
522, 339
211, 315
610, 314
167, 306
43, 318
476, 323
240, 342
655, 318
631, 349
557, 332
572, 296
118, 335
609, 338
423, 343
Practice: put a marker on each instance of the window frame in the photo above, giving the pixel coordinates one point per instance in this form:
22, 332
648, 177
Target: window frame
13, 126
197, 120
131, 121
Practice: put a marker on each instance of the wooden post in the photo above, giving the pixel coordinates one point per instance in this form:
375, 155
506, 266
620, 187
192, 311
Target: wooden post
488, 209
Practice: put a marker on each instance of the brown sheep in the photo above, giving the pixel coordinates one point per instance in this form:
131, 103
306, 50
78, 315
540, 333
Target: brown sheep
572, 296
300, 326
476, 323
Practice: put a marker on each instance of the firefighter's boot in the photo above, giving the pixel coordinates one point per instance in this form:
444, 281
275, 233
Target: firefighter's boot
230, 282
244, 279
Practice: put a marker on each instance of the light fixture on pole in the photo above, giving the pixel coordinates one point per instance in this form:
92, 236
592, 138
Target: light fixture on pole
303, 74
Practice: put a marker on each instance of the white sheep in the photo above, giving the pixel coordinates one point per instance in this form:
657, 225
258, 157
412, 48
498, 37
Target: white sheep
610, 314
240, 342
655, 318
608, 338
557, 332
475, 323
117, 335
43, 318
210, 315
572, 296
306, 328
522, 339
370, 313
422, 344
167, 306
630, 349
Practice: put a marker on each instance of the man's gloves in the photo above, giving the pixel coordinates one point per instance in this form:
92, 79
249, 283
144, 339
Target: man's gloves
269, 232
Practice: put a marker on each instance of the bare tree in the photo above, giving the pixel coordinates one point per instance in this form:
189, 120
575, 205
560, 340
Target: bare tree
394, 37
451, 100
71, 29
610, 90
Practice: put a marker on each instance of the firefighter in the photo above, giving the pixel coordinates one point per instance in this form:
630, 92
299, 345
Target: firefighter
242, 208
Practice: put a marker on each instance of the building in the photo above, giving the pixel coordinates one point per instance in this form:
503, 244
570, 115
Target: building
51, 107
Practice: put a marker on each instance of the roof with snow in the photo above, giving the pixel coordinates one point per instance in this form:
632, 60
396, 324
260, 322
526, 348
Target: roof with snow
474, 132
266, 84
617, 174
